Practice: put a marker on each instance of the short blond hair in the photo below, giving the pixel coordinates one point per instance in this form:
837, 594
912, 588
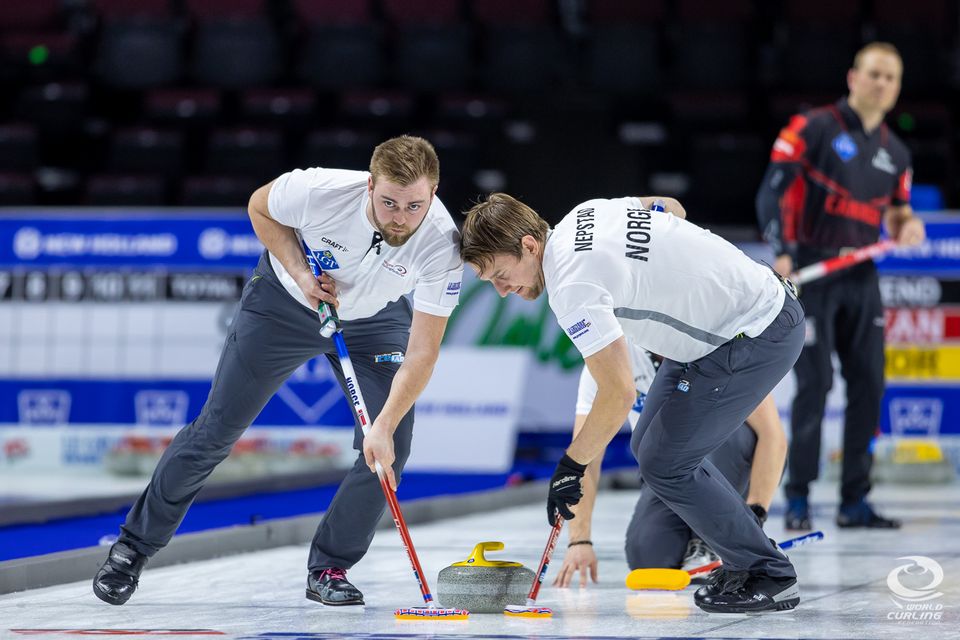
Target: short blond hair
496, 226
883, 47
404, 160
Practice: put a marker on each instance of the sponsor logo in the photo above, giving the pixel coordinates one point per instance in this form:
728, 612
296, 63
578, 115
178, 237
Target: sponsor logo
16, 449
845, 147
326, 260
921, 326
683, 386
910, 292
79, 450
453, 289
397, 269
166, 408
29, 243
854, 209
461, 409
579, 328
638, 405
201, 286
936, 363
334, 244
914, 588
883, 162
564, 480
915, 416
396, 357
43, 406
215, 243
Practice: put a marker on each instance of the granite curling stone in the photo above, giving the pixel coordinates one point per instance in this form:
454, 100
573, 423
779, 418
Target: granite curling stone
483, 586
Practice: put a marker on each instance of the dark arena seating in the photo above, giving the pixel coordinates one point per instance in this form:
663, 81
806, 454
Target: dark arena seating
198, 102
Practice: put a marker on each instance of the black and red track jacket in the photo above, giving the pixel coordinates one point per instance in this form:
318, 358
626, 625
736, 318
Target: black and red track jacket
829, 183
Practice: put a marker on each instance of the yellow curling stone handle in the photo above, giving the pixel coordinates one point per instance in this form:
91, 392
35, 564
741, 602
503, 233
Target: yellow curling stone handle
477, 559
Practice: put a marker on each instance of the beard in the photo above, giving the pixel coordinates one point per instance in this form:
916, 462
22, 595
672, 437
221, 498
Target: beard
532, 292
395, 236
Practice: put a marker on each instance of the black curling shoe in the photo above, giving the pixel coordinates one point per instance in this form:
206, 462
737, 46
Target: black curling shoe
118, 577
797, 517
861, 515
739, 592
330, 586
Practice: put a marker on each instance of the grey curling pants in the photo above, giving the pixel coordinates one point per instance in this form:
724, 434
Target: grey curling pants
656, 536
691, 410
270, 337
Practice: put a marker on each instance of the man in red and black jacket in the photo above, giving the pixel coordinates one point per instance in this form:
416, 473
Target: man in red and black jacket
835, 174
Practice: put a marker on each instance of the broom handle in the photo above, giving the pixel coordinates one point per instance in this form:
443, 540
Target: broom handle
328, 317
786, 544
545, 560
823, 268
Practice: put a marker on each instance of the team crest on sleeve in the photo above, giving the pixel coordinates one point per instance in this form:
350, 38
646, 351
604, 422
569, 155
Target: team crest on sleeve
845, 147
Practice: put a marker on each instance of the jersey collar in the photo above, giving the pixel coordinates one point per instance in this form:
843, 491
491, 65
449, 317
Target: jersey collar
850, 121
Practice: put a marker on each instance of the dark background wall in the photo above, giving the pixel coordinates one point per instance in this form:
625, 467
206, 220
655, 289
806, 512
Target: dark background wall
198, 102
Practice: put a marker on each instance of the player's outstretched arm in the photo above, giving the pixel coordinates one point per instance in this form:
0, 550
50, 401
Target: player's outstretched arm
616, 394
769, 455
580, 556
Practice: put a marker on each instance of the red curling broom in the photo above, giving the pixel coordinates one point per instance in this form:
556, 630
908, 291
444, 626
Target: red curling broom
330, 328
530, 609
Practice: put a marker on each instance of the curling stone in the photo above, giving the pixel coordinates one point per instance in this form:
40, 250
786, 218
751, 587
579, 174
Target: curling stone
483, 586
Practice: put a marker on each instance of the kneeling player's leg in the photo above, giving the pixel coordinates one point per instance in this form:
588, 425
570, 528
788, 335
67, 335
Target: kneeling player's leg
656, 536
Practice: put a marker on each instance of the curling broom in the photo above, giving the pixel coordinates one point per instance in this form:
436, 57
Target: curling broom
530, 609
330, 327
676, 579
830, 265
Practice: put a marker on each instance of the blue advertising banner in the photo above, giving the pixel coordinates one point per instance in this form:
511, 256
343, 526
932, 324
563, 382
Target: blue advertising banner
159, 403
939, 255
919, 411
133, 240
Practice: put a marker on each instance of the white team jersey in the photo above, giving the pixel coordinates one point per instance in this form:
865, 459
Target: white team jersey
614, 268
643, 375
328, 208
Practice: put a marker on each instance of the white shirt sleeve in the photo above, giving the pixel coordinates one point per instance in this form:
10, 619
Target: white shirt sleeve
438, 292
586, 392
287, 201
585, 313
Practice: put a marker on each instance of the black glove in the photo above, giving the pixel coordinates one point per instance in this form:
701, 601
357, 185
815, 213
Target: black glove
759, 512
565, 488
